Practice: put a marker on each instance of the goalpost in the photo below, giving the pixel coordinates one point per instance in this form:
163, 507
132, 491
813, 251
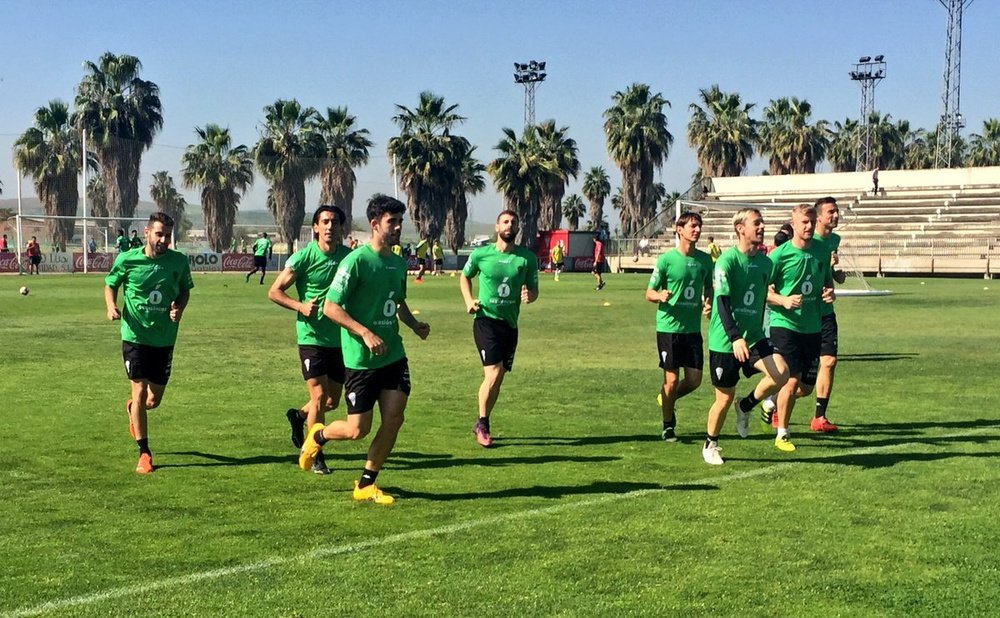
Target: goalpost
76, 256
717, 217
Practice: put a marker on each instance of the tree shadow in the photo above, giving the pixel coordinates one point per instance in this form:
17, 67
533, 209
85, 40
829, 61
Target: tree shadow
876, 357
550, 491
867, 461
225, 460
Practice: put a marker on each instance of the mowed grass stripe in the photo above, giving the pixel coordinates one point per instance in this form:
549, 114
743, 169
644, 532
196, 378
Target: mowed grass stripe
349, 548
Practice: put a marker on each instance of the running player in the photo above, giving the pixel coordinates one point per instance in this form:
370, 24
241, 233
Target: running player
736, 335
263, 250
509, 276
557, 259
681, 285
827, 219
157, 283
801, 285
311, 270
422, 249
368, 300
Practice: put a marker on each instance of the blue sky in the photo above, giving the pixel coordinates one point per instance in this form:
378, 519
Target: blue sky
223, 61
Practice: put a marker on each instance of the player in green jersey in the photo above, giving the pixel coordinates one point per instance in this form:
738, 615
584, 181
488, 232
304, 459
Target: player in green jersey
827, 220
135, 242
367, 299
508, 276
263, 250
681, 285
736, 338
800, 286
311, 271
156, 281
121, 242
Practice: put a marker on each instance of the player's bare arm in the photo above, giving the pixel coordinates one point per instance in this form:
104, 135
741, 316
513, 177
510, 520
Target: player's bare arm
528, 296
339, 316
178, 305
421, 329
278, 295
657, 296
111, 302
471, 304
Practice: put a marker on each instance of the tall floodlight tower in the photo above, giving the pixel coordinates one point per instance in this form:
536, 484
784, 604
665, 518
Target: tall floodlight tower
529, 75
868, 72
951, 118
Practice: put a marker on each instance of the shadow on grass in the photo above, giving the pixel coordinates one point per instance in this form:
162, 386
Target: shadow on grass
873, 460
420, 461
876, 357
225, 460
550, 491
500, 442
907, 428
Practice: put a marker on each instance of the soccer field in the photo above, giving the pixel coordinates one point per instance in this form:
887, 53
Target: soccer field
579, 510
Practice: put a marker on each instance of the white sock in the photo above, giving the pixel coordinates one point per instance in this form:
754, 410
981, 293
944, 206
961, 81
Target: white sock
782, 431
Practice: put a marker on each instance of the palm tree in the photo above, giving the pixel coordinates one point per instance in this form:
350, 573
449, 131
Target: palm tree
289, 152
121, 114
596, 188
522, 173
346, 149
470, 182
842, 152
170, 201
792, 145
49, 152
984, 148
561, 151
223, 173
97, 198
429, 160
722, 132
573, 209
638, 140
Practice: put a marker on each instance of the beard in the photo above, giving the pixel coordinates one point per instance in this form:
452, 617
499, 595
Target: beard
508, 236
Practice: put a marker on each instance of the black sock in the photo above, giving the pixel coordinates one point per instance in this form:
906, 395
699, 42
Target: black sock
748, 402
484, 422
670, 424
821, 403
367, 478
709, 440
143, 446
320, 440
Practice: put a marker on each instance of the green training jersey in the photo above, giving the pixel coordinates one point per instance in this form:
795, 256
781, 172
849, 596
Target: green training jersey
134, 242
501, 275
830, 244
261, 246
150, 285
745, 280
800, 271
314, 272
687, 277
369, 286
122, 244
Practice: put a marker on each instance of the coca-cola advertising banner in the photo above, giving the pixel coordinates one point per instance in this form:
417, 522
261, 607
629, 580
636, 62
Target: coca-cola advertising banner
237, 262
8, 263
96, 262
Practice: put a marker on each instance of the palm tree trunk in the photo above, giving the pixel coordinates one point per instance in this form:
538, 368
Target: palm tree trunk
337, 188
455, 223
596, 213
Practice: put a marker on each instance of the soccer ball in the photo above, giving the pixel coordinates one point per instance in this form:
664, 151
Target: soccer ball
24, 290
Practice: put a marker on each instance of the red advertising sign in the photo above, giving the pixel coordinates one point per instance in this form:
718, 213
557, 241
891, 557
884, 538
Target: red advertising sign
8, 263
96, 262
237, 262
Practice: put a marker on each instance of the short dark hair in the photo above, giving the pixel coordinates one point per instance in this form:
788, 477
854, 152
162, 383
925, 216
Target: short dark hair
825, 200
783, 234
687, 216
508, 212
380, 204
161, 217
337, 212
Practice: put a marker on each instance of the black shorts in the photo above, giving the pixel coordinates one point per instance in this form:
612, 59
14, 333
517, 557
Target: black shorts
680, 350
599, 267
363, 386
496, 342
558, 265
36, 260
800, 351
725, 369
259, 261
319, 361
829, 332
439, 263
145, 362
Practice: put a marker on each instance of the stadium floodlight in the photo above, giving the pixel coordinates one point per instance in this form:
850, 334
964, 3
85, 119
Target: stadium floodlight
865, 59
533, 65
879, 58
868, 73
516, 66
529, 75
541, 66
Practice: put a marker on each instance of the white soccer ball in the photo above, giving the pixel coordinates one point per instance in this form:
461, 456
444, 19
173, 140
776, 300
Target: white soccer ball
24, 290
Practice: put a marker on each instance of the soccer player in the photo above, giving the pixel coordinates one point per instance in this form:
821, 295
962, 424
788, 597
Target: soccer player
121, 241
263, 250
157, 285
827, 219
34, 252
713, 249
508, 276
801, 284
598, 267
681, 285
311, 271
368, 300
558, 259
438, 254
736, 338
135, 242
421, 253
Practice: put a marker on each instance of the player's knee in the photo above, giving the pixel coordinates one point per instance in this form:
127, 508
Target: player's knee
693, 381
804, 390
828, 362
331, 403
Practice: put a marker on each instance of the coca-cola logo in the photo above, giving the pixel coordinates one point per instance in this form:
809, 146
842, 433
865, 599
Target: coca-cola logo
95, 262
8, 263
237, 261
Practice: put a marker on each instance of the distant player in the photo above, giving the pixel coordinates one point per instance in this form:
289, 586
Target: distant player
368, 300
508, 276
827, 220
421, 252
557, 259
599, 261
263, 250
736, 339
438, 254
713, 249
801, 285
681, 285
34, 252
157, 285
134, 242
121, 242
311, 271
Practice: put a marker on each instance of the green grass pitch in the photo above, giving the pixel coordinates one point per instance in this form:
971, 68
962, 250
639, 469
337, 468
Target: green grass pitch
580, 510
